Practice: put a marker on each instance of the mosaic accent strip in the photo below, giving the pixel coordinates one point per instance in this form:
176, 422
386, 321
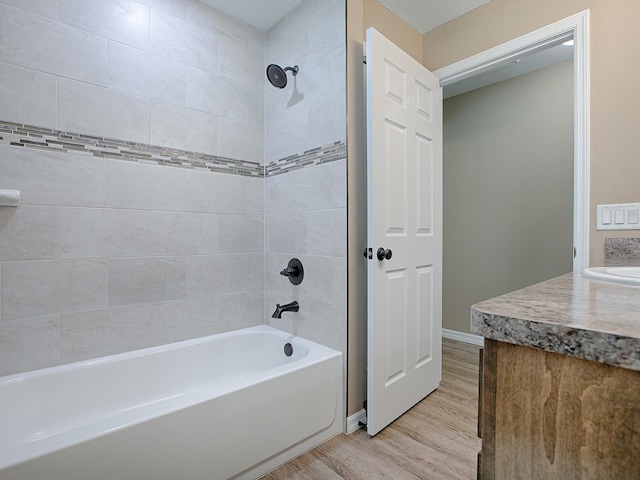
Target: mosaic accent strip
316, 156
28, 136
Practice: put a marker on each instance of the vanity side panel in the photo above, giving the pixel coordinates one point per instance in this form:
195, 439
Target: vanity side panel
488, 410
559, 417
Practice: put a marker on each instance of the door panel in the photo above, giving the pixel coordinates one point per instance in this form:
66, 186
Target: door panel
424, 189
424, 315
396, 174
396, 332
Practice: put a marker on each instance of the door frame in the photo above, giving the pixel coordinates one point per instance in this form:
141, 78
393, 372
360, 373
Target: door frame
576, 27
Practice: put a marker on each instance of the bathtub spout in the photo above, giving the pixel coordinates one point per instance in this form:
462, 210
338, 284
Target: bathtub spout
289, 307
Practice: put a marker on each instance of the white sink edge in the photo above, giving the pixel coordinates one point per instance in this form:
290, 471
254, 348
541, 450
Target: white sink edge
604, 274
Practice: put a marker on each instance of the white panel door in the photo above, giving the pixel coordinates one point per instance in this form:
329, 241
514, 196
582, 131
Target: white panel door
404, 181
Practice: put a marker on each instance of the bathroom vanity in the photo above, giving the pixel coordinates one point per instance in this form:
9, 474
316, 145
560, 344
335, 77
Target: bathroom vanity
560, 381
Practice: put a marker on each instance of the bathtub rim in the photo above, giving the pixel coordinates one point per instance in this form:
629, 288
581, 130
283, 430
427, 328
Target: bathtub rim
17, 377
17, 454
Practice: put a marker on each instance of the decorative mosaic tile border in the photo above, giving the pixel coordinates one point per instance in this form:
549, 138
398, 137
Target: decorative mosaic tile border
29, 136
316, 156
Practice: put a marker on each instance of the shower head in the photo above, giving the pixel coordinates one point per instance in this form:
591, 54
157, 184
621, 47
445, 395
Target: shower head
278, 76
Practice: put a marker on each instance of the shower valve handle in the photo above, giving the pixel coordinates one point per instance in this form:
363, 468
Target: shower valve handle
294, 271
289, 272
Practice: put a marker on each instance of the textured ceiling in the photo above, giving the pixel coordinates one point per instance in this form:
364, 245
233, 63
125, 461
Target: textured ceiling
425, 15
262, 14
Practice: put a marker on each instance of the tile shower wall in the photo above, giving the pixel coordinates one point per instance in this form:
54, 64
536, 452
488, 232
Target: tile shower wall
106, 255
305, 209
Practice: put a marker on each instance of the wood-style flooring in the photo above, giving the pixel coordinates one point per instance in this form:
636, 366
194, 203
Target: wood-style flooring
436, 439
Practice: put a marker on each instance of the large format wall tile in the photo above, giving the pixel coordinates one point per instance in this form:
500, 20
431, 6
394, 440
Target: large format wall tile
45, 287
36, 42
126, 21
255, 196
222, 96
256, 40
240, 64
324, 21
222, 313
241, 140
46, 8
217, 274
282, 134
173, 127
28, 233
214, 21
95, 233
53, 178
27, 96
147, 75
133, 185
286, 233
113, 330
28, 344
319, 129
327, 232
257, 108
173, 38
146, 280
241, 233
324, 323
85, 108
287, 40
321, 187
177, 8
217, 192
297, 131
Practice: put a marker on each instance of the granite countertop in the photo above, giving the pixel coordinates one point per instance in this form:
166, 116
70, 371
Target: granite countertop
571, 315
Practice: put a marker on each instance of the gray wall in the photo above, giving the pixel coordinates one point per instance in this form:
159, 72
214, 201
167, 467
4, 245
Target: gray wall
508, 188
119, 246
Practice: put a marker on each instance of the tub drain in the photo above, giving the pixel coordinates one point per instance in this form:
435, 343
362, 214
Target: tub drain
288, 349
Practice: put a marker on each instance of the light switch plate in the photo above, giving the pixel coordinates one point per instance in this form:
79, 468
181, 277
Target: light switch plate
619, 216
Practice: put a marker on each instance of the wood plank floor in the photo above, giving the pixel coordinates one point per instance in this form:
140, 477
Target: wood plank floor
436, 439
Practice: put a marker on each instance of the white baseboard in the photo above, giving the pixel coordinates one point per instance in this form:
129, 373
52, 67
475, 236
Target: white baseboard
353, 422
463, 337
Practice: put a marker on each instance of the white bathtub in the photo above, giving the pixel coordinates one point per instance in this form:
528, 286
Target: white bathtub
226, 406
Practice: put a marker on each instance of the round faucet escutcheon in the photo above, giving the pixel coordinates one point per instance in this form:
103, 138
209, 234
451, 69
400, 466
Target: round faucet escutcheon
294, 271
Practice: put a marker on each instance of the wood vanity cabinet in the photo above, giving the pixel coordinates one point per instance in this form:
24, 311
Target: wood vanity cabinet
551, 416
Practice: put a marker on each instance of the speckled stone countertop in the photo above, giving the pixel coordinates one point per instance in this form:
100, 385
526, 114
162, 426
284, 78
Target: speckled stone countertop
571, 315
